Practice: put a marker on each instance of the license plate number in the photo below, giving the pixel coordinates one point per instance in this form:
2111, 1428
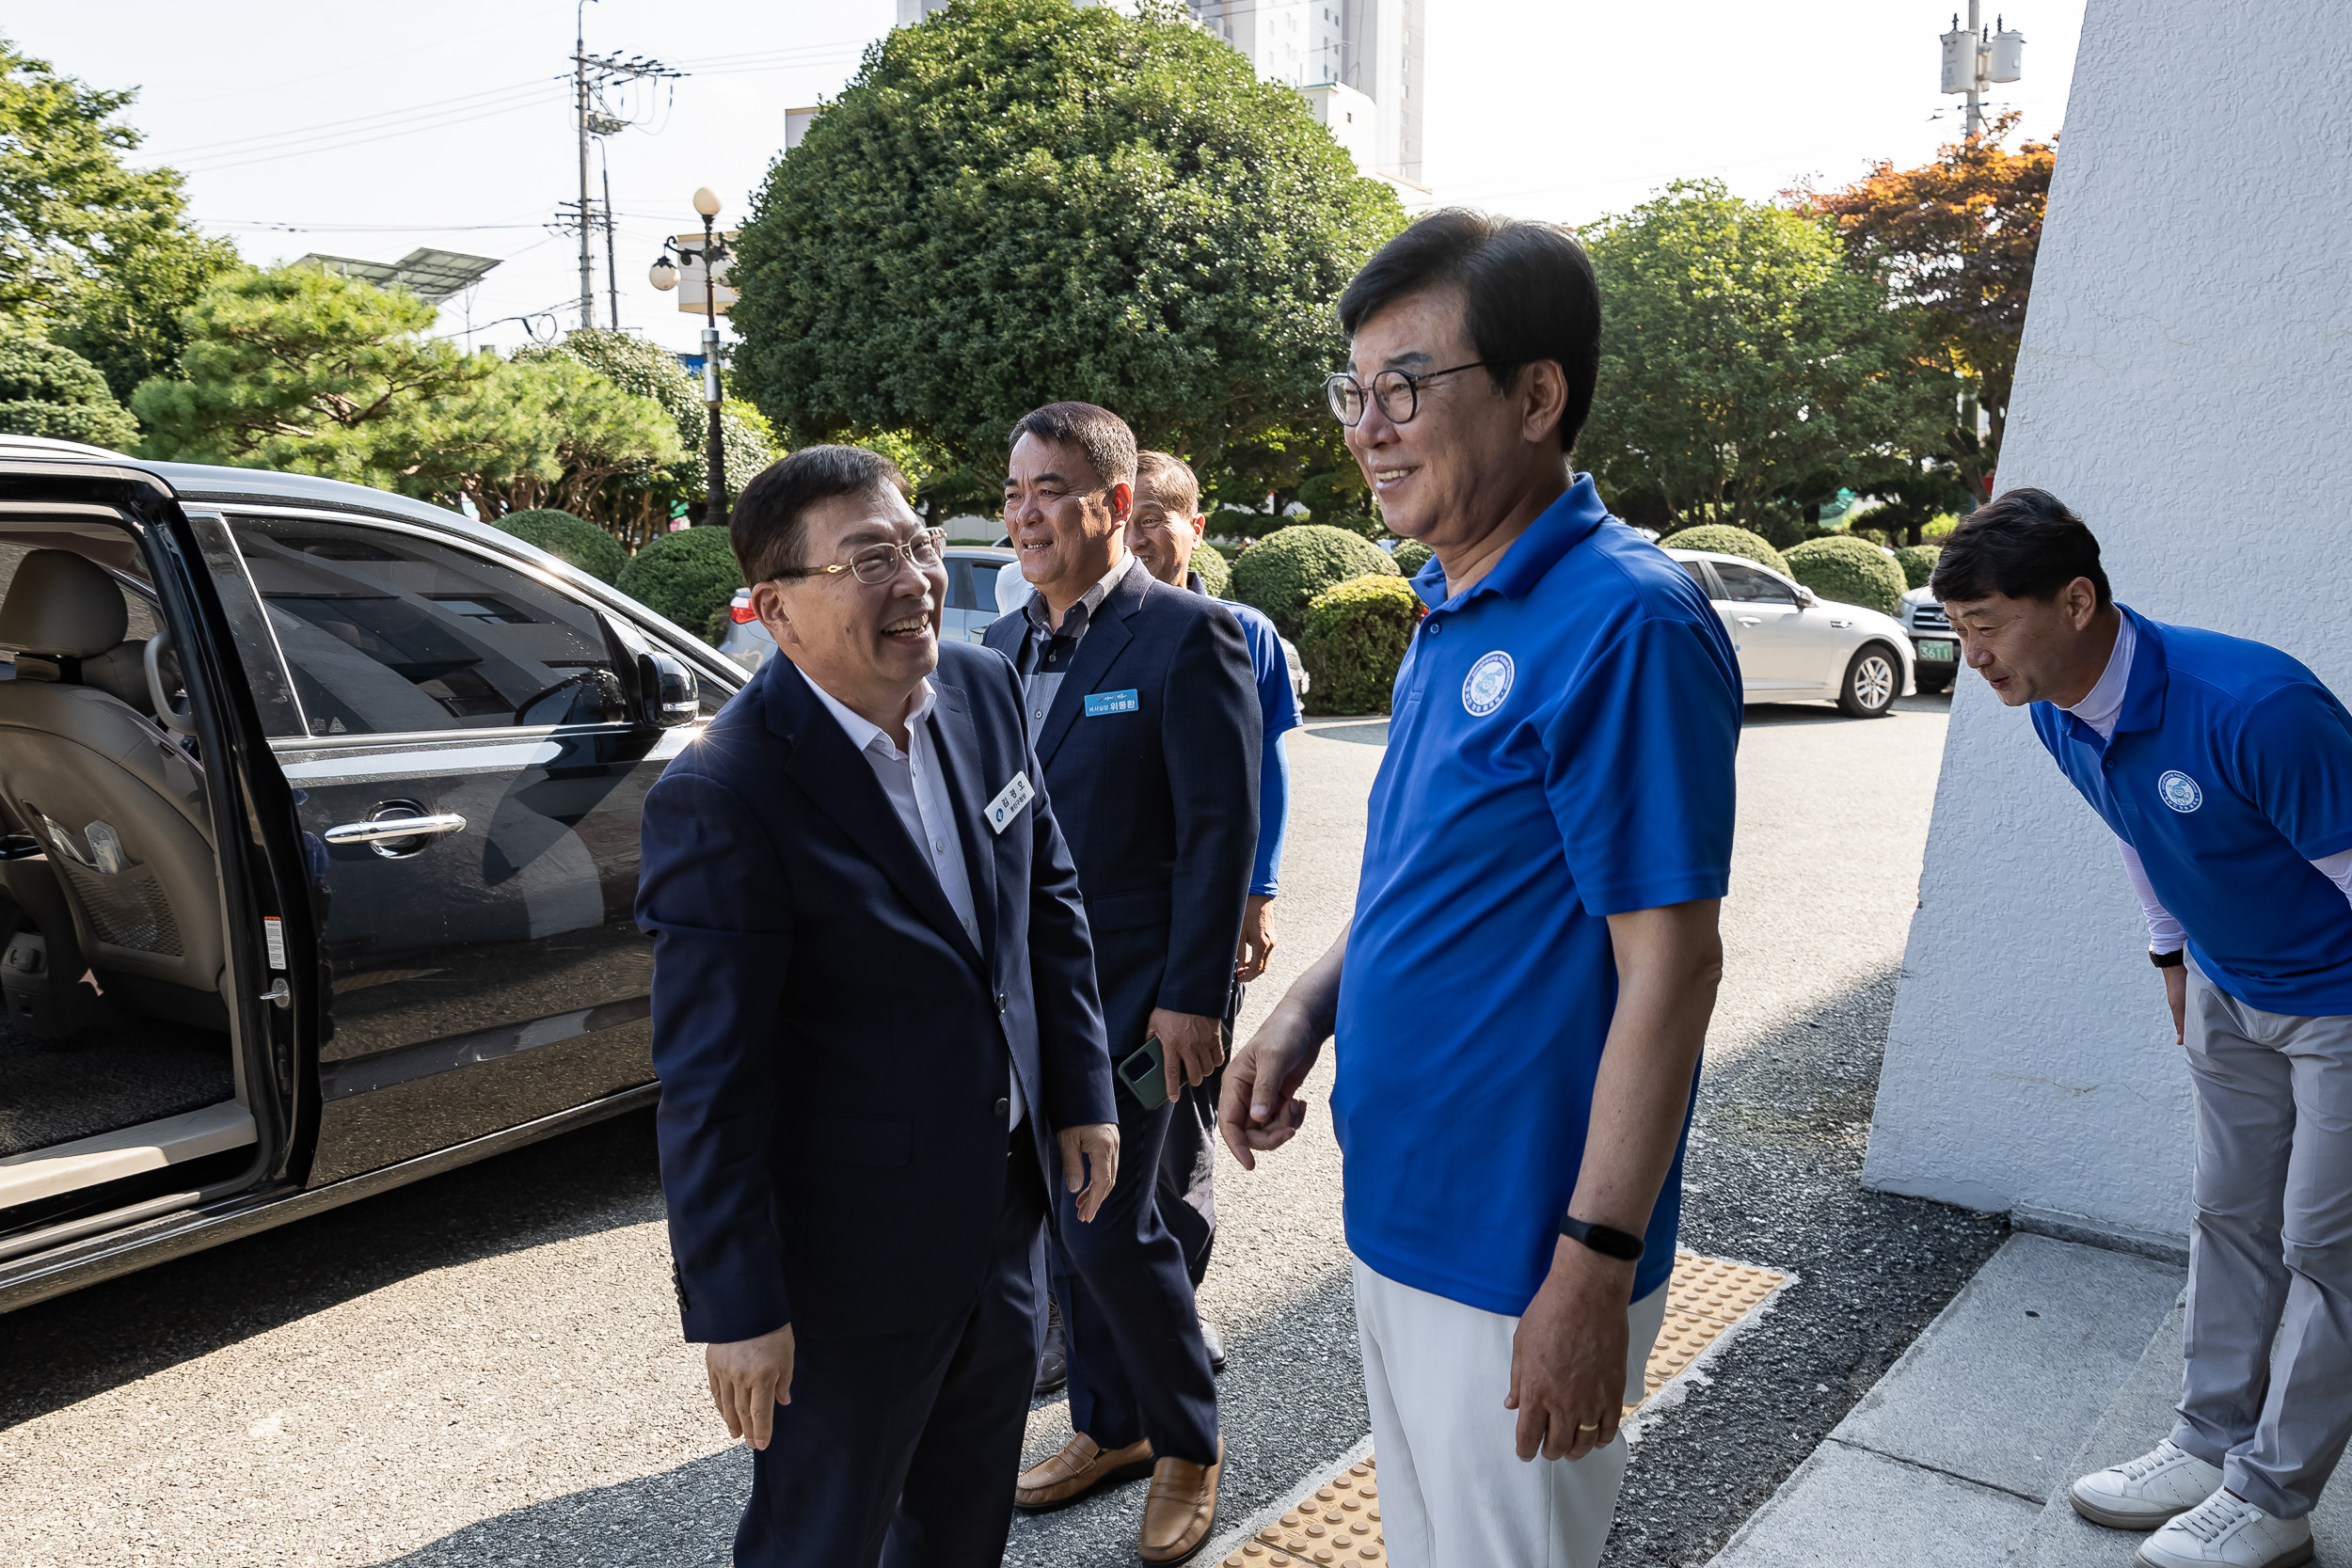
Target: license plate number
1936, 651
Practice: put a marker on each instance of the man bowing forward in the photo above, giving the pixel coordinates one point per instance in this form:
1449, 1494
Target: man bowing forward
878, 1034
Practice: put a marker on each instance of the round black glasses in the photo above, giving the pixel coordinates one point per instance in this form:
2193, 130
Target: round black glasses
1397, 392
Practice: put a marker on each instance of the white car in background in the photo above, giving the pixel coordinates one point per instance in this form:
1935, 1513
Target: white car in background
1795, 646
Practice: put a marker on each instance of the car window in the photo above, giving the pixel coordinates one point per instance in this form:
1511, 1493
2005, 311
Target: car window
1698, 575
1747, 585
386, 631
983, 594
959, 584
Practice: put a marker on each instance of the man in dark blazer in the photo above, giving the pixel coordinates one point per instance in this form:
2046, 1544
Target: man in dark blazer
876, 1026
1143, 714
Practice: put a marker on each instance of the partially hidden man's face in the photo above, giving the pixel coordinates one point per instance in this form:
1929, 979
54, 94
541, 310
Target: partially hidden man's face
1463, 435
850, 636
1162, 537
1064, 521
2028, 650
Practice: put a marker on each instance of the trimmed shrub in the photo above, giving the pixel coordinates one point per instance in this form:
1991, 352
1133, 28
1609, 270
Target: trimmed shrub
1410, 556
573, 540
1354, 635
1918, 562
1281, 573
1849, 571
1216, 577
684, 576
52, 391
1723, 539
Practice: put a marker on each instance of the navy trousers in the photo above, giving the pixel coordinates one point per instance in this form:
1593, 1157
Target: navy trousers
1189, 1174
1137, 1365
900, 1450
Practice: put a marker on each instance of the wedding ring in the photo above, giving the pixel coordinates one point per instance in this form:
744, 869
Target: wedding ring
1592, 1426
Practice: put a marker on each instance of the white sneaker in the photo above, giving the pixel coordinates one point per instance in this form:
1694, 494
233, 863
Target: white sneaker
2144, 1493
2228, 1532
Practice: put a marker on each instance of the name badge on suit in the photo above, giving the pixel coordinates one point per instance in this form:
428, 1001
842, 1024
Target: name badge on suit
1008, 801
1100, 702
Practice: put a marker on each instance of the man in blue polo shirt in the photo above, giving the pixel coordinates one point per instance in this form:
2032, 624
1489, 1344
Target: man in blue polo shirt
1520, 1001
1164, 531
2224, 768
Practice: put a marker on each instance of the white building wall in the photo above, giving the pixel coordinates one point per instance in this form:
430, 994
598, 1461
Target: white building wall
2185, 385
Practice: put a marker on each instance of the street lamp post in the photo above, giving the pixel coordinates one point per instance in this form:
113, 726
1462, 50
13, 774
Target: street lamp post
664, 275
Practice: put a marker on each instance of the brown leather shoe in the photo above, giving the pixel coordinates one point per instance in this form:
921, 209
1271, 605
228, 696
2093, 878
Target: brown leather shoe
1079, 1469
1180, 1508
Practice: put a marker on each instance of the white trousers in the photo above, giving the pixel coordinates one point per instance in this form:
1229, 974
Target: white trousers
1453, 1492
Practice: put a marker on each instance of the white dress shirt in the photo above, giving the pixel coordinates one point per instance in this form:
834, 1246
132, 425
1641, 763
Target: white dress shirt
917, 788
2100, 709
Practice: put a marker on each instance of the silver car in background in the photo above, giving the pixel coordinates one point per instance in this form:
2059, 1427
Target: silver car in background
971, 606
1795, 645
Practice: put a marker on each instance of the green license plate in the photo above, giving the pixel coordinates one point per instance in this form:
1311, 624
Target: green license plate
1936, 651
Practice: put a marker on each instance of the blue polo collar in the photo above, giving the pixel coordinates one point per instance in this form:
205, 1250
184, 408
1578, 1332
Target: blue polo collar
2143, 688
1561, 526
2143, 699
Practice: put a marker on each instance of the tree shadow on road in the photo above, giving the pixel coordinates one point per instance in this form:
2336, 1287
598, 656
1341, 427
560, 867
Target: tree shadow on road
61, 1352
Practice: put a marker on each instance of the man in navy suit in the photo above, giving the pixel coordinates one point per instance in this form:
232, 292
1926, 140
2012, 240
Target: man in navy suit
876, 1026
1143, 714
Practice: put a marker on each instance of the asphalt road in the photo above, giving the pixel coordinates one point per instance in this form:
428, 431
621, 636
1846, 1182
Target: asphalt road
484, 1368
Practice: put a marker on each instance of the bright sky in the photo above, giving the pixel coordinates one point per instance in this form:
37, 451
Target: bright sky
368, 131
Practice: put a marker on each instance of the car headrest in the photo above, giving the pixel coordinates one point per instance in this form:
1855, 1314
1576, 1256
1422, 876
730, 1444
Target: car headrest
62, 605
120, 671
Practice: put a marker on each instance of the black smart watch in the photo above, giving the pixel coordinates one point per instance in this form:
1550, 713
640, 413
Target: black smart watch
1602, 1239
2173, 960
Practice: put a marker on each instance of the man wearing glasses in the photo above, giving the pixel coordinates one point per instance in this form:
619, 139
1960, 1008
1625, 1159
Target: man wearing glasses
876, 1027
1143, 712
1519, 1001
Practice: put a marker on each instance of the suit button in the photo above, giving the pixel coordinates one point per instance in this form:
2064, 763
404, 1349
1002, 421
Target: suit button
1003, 1107
1000, 1000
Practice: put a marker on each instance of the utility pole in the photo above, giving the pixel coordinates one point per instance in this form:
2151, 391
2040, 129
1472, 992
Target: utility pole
1974, 59
611, 273
580, 95
591, 74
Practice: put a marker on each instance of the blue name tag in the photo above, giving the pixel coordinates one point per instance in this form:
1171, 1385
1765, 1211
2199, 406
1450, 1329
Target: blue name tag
1100, 702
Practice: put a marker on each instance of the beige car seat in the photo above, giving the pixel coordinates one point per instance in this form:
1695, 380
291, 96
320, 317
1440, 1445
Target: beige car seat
117, 805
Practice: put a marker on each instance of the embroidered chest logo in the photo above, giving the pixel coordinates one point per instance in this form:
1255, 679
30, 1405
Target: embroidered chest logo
2180, 791
1487, 684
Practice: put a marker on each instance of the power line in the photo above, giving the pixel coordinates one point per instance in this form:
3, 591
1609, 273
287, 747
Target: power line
355, 121
308, 149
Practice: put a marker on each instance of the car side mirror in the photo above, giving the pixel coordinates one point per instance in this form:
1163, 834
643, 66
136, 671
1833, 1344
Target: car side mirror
666, 693
1806, 598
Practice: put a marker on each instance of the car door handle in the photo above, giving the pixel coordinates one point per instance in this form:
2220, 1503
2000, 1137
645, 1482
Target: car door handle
1751, 620
395, 827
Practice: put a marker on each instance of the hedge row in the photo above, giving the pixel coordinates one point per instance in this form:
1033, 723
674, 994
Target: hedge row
1723, 539
1849, 571
1918, 562
1354, 637
1283, 572
1216, 575
568, 538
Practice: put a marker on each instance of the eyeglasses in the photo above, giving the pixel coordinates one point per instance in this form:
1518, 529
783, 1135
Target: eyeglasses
879, 564
1397, 392
1394, 389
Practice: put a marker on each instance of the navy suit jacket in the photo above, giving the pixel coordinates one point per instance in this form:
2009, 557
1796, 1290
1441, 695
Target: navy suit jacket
832, 1047
1160, 803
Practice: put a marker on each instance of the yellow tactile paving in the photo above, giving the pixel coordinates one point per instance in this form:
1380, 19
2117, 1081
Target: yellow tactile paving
1340, 1522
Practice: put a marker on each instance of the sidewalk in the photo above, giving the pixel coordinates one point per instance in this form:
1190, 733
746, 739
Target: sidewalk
2058, 1358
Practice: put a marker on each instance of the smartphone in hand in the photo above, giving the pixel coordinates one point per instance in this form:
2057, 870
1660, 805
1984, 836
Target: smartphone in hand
1145, 1074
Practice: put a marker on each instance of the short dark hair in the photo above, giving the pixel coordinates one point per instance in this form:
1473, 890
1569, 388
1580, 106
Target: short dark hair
1103, 436
1170, 481
2023, 543
767, 527
1528, 291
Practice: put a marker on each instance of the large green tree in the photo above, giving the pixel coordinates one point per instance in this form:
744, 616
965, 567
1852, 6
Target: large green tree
1745, 366
52, 391
101, 256
1025, 201
306, 371
1957, 238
